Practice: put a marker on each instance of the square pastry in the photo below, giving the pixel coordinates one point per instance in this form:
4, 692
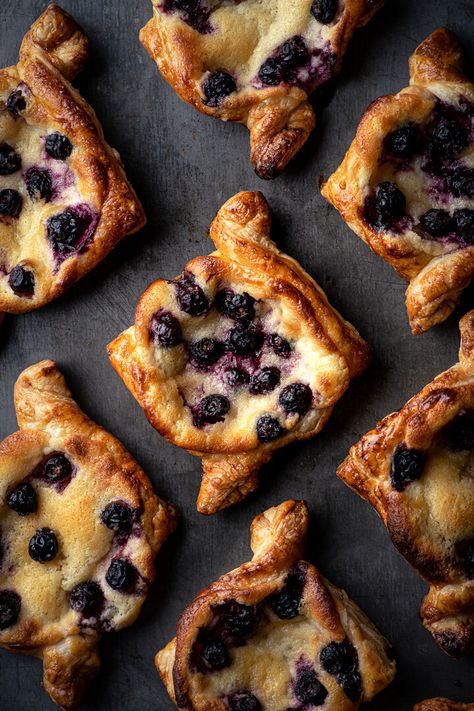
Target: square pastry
64, 199
239, 355
255, 62
278, 613
80, 527
406, 185
416, 469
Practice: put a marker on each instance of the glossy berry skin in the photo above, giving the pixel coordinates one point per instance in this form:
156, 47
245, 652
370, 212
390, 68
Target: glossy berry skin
191, 298
39, 184
22, 499
235, 377
215, 655
404, 142
268, 428
43, 546
464, 224
21, 281
117, 516
461, 433
287, 602
407, 466
165, 330
16, 102
296, 398
390, 203
244, 341
10, 161
436, 223
462, 183
121, 575
264, 381
212, 409
239, 621
340, 660
281, 68
58, 146
238, 307
10, 202
205, 352
324, 11
244, 701
279, 345
10, 607
64, 230
86, 598
57, 467
308, 688
217, 87
448, 139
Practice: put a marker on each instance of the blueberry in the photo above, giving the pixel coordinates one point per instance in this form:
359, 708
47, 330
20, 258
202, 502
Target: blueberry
39, 184
286, 603
390, 203
264, 381
235, 377
407, 466
10, 161
10, 202
165, 330
324, 11
58, 146
23, 499
244, 701
194, 12
121, 575
436, 222
215, 655
448, 139
296, 397
238, 307
10, 606
268, 428
64, 230
87, 598
270, 72
351, 684
461, 433
16, 102
465, 551
279, 345
239, 620
57, 467
217, 86
191, 298
462, 183
205, 352
117, 516
464, 224
244, 341
308, 688
21, 281
43, 546
404, 142
212, 409
340, 660
293, 53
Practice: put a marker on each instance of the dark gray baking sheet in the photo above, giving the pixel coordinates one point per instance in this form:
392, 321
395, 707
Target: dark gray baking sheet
184, 166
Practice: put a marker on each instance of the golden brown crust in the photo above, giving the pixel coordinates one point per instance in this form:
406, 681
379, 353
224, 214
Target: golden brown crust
437, 273
428, 519
48, 627
442, 705
279, 118
325, 615
326, 349
52, 52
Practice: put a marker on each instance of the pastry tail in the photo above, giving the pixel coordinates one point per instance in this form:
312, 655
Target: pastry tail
448, 613
68, 669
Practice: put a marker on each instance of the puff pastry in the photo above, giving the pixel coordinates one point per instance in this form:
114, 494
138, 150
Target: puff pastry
406, 185
442, 705
255, 62
239, 355
415, 468
276, 611
80, 527
64, 199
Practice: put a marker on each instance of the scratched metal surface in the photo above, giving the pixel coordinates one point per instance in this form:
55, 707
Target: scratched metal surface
184, 166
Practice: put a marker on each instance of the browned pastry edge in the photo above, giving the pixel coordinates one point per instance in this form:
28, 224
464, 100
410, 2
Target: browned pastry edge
435, 285
439, 704
280, 119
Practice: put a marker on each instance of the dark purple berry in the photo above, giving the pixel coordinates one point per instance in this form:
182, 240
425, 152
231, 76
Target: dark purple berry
448, 139
23, 499
465, 551
436, 222
39, 184
279, 345
239, 621
351, 684
21, 281
462, 183
166, 330
244, 341
121, 575
58, 146
264, 381
217, 86
10, 202
296, 398
16, 102
286, 603
308, 688
340, 660
10, 161
407, 466
390, 203
461, 433
191, 298
215, 655
43, 546
212, 409
464, 224
194, 12
404, 142
64, 231
324, 11
270, 72
238, 307
205, 352
117, 516
236, 377
86, 598
244, 701
57, 467
10, 606
293, 53
268, 428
